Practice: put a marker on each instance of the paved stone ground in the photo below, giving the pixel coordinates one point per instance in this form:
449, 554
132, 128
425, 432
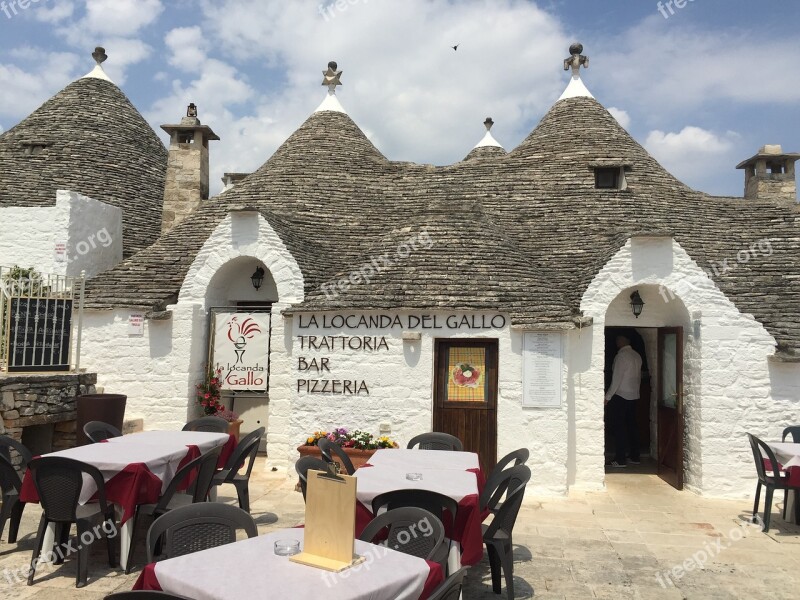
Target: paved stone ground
611, 544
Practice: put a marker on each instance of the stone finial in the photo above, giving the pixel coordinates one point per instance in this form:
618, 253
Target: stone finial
191, 110
331, 77
99, 55
488, 123
576, 59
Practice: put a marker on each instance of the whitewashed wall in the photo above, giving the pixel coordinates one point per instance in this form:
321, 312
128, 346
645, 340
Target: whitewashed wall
91, 231
730, 384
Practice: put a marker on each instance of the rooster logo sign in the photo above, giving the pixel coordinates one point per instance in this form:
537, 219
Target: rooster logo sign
244, 331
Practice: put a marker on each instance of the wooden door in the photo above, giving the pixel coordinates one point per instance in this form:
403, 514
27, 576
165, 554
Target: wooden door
670, 405
465, 395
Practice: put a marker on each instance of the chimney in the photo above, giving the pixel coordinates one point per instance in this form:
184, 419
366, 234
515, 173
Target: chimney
187, 168
769, 176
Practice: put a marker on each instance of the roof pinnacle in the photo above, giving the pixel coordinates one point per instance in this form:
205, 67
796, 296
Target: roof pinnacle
99, 55
331, 78
576, 87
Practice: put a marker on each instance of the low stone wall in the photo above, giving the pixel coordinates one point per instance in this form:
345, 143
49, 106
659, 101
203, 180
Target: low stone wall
27, 400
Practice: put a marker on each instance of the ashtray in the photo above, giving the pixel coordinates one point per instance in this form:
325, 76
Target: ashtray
414, 476
287, 547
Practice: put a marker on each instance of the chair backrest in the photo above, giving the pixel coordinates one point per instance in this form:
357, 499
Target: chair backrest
496, 484
245, 451
8, 443
9, 478
306, 464
762, 452
197, 527
436, 440
205, 474
196, 468
433, 502
794, 430
411, 530
211, 424
516, 480
450, 589
59, 482
143, 595
328, 448
97, 431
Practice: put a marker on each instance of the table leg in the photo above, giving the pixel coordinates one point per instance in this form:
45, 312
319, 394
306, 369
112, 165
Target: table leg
125, 537
48, 543
454, 559
791, 500
212, 493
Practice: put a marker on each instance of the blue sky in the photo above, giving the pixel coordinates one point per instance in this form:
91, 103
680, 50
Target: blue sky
701, 89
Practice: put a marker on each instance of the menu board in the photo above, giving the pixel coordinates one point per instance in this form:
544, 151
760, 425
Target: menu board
39, 334
542, 371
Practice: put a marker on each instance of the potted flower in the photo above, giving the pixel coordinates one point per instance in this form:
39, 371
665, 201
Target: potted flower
208, 396
358, 445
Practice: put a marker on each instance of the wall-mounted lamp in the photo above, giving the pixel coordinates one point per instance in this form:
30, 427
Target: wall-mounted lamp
257, 278
636, 304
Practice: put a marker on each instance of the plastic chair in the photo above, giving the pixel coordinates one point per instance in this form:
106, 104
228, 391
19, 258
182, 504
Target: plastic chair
497, 535
328, 448
143, 595
8, 443
204, 466
10, 485
795, 433
496, 484
412, 530
245, 452
306, 464
450, 589
211, 424
59, 481
436, 441
196, 527
97, 431
777, 480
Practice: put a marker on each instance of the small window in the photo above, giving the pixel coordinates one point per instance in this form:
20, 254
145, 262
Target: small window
186, 138
607, 178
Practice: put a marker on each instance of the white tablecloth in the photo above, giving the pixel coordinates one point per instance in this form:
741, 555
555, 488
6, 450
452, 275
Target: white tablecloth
412, 460
250, 569
379, 479
204, 440
787, 453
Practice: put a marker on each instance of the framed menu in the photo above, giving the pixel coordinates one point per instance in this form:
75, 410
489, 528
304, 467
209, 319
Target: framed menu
542, 369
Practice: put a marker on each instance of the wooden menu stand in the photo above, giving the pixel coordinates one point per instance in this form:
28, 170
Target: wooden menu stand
329, 538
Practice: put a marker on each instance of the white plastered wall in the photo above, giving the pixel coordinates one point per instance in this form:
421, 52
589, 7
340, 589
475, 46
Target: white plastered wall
731, 386
158, 370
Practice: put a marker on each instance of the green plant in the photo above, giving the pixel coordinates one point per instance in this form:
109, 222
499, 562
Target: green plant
357, 439
208, 392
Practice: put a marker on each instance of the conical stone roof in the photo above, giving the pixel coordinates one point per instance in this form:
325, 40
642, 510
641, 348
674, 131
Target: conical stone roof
90, 139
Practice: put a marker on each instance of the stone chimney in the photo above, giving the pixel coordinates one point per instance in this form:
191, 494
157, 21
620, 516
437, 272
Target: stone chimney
769, 175
187, 168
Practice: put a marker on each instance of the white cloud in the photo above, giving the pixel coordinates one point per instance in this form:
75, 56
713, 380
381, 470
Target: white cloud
24, 87
120, 17
693, 153
188, 48
622, 117
57, 13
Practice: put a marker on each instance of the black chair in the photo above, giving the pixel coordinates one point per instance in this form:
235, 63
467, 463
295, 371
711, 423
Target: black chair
196, 527
497, 535
451, 587
7, 444
245, 452
411, 530
97, 431
496, 484
144, 595
203, 468
328, 449
10, 485
306, 464
776, 479
58, 482
211, 424
436, 441
795, 433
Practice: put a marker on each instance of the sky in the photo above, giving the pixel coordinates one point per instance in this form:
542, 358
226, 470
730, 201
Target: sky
701, 84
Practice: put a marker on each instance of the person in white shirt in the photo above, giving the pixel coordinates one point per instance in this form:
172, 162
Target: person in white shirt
621, 398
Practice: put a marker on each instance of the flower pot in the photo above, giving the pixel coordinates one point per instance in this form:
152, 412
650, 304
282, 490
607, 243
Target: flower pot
358, 457
233, 428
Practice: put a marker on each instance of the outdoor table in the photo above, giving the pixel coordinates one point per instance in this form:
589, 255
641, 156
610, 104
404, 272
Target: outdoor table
453, 474
250, 567
136, 471
788, 454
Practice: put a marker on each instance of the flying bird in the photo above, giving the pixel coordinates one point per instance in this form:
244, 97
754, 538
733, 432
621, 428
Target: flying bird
455, 47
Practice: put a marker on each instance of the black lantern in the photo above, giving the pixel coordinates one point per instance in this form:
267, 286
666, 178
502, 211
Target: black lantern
191, 110
257, 278
636, 304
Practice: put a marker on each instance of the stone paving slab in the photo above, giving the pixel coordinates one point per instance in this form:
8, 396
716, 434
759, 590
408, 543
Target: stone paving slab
638, 539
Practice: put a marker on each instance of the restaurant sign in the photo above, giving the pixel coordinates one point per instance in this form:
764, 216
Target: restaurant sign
241, 350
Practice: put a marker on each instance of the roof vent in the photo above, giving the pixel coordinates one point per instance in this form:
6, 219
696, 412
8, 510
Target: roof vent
769, 175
